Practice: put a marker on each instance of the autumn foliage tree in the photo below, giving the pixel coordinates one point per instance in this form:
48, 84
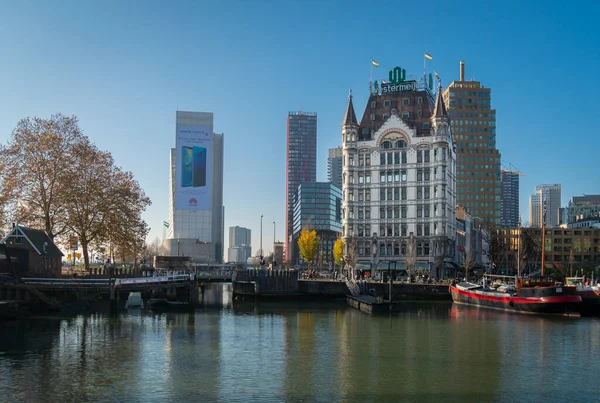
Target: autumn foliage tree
55, 178
338, 251
308, 243
105, 203
36, 167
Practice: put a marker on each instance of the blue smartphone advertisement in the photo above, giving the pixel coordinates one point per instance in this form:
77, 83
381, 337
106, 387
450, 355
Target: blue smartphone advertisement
187, 166
199, 166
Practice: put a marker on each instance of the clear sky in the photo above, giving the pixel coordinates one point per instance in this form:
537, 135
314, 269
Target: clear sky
125, 67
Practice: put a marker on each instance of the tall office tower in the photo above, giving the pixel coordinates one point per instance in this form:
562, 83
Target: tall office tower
317, 205
398, 182
544, 206
240, 245
478, 161
301, 163
196, 183
583, 208
510, 199
334, 166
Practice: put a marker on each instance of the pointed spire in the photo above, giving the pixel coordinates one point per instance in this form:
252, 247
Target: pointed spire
440, 108
350, 118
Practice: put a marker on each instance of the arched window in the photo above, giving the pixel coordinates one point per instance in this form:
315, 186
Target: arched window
387, 144
400, 144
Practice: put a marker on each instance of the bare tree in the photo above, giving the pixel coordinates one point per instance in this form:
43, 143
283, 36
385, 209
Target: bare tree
470, 261
411, 257
154, 248
350, 255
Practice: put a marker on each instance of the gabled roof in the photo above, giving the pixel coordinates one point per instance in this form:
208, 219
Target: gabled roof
350, 118
39, 241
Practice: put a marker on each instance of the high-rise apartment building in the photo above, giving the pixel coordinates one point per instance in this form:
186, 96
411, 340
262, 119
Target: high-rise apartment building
398, 179
510, 199
478, 163
196, 183
240, 244
301, 163
334, 166
544, 206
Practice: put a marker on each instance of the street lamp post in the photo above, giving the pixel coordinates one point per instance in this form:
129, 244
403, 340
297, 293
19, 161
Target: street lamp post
274, 262
261, 249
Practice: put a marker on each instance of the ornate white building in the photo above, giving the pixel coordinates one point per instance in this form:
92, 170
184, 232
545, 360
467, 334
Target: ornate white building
399, 179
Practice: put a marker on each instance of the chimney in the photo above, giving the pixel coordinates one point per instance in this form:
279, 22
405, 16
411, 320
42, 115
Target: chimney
462, 71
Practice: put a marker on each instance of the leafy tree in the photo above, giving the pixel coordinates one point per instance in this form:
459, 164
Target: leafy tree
36, 170
338, 251
308, 242
104, 202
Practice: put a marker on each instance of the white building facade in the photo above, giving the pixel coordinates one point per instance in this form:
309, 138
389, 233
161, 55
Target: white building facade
399, 185
544, 206
198, 233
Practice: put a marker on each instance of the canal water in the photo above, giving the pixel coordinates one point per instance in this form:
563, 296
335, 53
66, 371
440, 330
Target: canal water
300, 352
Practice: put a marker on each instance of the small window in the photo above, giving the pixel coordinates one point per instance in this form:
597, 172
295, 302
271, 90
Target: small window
387, 144
405, 115
406, 101
385, 116
372, 116
420, 113
420, 100
373, 104
425, 125
387, 103
400, 144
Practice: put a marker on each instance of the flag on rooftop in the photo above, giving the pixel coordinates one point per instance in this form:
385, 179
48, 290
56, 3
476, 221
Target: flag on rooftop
374, 63
166, 224
428, 56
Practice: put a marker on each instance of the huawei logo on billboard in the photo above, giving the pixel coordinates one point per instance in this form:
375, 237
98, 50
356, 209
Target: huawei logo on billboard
193, 202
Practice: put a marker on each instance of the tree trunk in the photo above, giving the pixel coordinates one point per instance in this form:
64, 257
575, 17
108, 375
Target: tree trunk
86, 256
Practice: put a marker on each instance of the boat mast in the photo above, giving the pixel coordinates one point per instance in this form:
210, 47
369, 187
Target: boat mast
543, 234
519, 251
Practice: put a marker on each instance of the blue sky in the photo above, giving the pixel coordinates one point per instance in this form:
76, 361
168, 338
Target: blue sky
125, 67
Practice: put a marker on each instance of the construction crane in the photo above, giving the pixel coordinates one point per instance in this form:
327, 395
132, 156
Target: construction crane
508, 167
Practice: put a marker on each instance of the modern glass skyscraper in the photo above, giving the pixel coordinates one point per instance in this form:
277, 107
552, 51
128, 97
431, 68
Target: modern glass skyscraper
473, 120
240, 242
334, 166
318, 206
301, 163
510, 199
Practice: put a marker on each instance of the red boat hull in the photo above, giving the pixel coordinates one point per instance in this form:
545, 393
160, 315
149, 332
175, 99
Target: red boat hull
552, 304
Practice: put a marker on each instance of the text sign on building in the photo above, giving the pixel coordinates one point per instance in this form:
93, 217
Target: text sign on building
400, 87
193, 168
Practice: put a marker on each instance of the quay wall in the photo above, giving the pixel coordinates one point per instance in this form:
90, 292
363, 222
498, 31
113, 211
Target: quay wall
265, 282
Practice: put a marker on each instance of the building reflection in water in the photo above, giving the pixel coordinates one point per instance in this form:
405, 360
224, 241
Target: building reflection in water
288, 351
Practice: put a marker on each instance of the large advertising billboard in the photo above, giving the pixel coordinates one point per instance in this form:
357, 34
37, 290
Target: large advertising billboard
193, 168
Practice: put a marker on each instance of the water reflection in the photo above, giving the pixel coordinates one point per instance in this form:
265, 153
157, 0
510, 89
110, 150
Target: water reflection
299, 351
